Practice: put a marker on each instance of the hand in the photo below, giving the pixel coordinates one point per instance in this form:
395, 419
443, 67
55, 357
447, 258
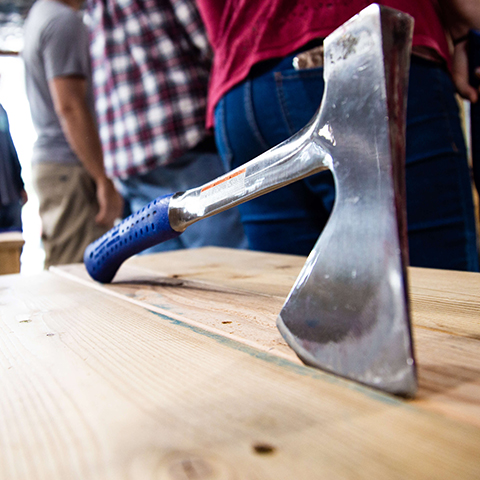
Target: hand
460, 73
24, 197
110, 203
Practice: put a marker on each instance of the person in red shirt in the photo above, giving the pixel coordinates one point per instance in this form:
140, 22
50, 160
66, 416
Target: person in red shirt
257, 99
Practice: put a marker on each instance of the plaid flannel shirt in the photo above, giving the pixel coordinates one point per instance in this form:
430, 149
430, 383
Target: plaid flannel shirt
151, 62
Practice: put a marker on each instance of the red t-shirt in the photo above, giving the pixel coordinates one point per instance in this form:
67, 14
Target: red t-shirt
245, 32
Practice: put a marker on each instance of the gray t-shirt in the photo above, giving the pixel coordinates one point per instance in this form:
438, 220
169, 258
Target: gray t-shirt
56, 44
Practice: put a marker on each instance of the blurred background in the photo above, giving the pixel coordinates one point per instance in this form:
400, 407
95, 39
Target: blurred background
14, 100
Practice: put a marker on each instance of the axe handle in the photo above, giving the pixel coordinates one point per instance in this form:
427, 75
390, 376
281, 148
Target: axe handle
473, 63
167, 217
144, 229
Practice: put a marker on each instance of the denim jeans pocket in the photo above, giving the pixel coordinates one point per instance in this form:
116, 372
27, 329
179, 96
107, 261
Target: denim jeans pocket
300, 93
221, 138
433, 126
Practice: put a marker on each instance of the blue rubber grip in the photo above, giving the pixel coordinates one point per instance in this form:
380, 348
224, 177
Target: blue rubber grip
144, 229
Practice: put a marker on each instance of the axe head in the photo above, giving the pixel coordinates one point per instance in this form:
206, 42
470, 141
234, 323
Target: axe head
348, 311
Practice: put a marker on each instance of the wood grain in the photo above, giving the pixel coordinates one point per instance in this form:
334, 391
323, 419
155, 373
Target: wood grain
95, 387
239, 294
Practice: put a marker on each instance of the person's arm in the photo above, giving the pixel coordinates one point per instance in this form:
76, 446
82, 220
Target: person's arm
69, 96
459, 17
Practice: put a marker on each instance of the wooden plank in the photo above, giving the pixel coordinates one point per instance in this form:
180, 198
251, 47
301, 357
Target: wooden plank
435, 294
243, 315
448, 301
239, 294
94, 387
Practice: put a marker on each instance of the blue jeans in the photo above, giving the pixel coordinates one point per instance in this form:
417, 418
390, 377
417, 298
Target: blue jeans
191, 170
11, 217
267, 109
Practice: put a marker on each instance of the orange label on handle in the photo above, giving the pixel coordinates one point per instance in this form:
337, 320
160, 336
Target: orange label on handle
224, 179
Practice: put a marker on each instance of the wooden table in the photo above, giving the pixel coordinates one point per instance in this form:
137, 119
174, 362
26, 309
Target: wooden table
176, 371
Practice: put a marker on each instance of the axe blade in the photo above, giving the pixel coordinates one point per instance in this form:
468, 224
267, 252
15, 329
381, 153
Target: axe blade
348, 312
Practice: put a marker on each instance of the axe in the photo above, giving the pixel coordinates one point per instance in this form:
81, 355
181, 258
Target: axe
348, 311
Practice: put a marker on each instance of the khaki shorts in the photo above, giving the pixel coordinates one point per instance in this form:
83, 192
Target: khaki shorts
68, 206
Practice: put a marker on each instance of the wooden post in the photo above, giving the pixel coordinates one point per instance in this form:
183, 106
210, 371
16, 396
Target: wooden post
11, 244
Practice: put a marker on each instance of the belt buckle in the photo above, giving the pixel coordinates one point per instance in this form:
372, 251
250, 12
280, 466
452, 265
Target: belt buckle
312, 58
